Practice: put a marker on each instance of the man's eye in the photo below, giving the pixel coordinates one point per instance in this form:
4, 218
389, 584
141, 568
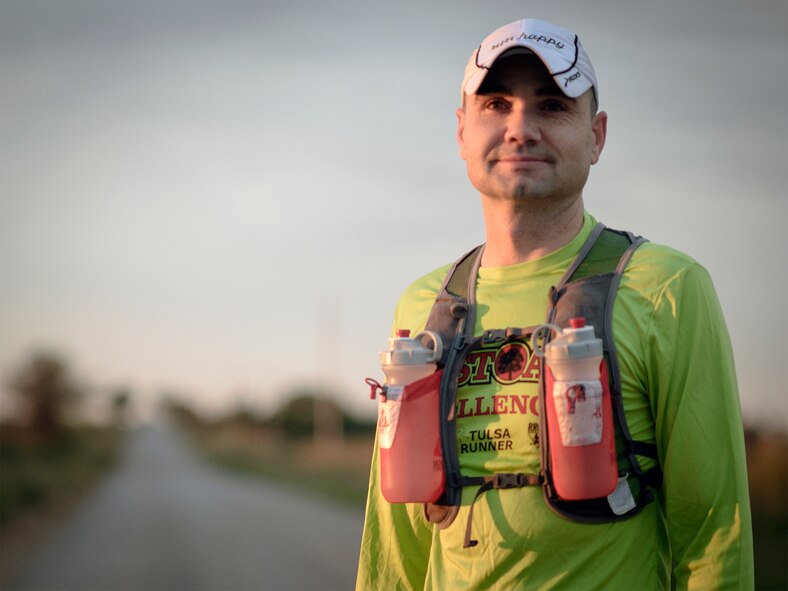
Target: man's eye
496, 104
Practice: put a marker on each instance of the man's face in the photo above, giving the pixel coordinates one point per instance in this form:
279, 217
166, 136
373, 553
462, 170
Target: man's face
523, 139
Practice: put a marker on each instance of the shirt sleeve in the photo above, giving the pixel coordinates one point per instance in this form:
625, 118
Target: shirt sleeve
395, 545
699, 435
396, 542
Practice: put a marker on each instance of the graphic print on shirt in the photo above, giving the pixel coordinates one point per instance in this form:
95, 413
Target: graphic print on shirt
498, 408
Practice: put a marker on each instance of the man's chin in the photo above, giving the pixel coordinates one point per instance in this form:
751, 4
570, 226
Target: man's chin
523, 192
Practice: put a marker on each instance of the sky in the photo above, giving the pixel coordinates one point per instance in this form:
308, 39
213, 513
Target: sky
225, 199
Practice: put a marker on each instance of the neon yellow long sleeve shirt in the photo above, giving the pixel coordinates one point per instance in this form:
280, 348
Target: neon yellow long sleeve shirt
679, 389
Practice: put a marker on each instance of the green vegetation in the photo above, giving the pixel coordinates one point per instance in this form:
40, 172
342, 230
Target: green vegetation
337, 472
36, 472
46, 388
45, 459
767, 468
331, 458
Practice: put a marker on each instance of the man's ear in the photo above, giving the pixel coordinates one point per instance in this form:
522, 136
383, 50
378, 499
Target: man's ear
599, 129
461, 131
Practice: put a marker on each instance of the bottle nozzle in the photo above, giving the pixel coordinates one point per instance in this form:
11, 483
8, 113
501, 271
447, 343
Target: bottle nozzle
402, 333
578, 322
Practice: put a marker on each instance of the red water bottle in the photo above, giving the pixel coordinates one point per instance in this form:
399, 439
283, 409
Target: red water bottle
411, 464
579, 413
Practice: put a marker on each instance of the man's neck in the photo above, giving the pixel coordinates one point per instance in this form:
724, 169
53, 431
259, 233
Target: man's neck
520, 232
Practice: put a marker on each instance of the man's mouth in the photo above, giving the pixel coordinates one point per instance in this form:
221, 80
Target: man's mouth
521, 160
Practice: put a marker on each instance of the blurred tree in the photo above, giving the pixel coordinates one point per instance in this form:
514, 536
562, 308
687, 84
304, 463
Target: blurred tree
180, 412
244, 417
308, 414
121, 400
46, 388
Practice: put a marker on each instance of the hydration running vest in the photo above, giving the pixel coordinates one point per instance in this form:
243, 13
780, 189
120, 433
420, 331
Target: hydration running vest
588, 288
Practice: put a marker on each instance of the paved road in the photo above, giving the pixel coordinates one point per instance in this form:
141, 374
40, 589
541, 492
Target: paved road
165, 521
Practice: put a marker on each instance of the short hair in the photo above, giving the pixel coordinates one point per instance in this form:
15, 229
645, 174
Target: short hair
594, 103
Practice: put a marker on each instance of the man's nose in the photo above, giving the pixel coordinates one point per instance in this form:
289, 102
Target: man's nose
522, 126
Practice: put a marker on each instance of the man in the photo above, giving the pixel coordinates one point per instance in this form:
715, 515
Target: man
529, 131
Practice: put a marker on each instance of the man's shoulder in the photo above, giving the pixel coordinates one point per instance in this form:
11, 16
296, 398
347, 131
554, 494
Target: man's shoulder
663, 259
426, 286
416, 300
656, 267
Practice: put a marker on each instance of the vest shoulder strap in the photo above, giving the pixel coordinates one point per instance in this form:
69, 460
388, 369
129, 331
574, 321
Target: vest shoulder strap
589, 288
453, 315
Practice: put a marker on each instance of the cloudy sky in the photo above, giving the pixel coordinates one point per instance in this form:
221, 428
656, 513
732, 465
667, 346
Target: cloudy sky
225, 199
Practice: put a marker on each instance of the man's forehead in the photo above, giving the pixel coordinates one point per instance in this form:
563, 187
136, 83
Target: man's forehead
519, 70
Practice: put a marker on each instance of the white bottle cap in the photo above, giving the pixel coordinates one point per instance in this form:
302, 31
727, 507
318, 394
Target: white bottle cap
404, 350
576, 342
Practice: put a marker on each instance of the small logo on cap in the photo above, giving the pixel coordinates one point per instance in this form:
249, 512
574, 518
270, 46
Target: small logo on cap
571, 78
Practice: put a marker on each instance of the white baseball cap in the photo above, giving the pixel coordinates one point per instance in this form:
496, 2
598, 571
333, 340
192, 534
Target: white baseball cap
559, 49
